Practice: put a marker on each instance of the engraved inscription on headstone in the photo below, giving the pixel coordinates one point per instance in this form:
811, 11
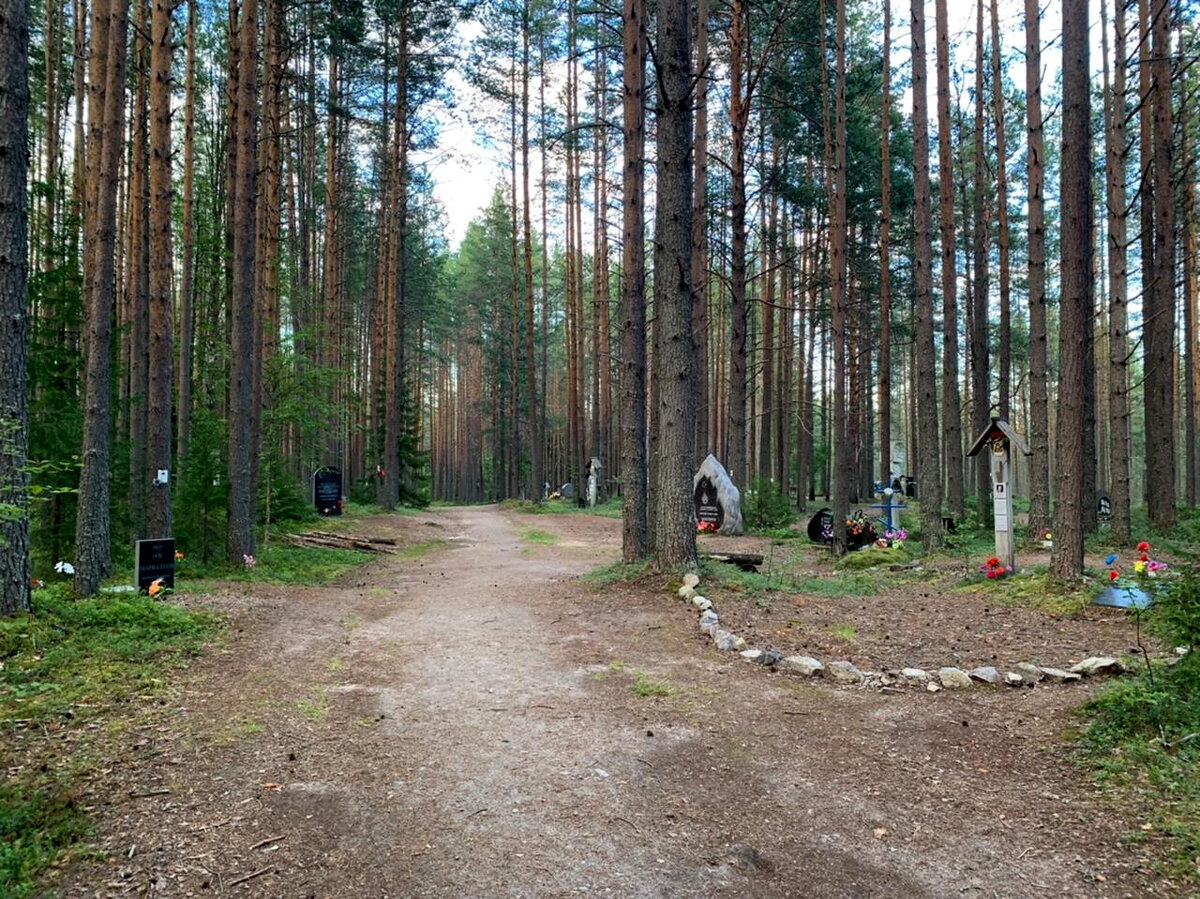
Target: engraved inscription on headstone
327, 490
156, 559
708, 509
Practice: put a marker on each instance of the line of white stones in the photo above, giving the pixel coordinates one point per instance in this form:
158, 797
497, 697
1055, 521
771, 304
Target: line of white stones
841, 671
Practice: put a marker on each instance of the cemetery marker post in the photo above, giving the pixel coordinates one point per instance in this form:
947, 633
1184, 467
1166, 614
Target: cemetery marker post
1000, 437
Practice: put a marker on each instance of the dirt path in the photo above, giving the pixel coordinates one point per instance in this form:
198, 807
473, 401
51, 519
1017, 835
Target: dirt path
472, 723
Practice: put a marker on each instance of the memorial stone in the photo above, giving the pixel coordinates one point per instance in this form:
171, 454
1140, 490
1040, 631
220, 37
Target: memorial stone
327, 490
717, 499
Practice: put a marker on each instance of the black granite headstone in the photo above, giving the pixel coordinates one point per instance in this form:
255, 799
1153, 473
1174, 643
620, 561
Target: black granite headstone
708, 508
1104, 507
327, 490
155, 559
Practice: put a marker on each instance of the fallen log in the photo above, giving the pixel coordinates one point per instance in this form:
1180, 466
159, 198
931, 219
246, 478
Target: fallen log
342, 541
744, 561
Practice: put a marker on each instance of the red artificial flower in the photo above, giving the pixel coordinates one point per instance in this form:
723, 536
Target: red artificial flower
1113, 574
1144, 557
993, 561
993, 573
1143, 547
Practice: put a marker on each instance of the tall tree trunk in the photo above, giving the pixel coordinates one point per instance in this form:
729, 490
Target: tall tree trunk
700, 328
106, 125
1039, 429
161, 299
843, 458
1005, 337
951, 399
675, 522
137, 276
980, 395
1159, 331
930, 484
242, 462
537, 469
739, 115
187, 291
885, 259
1066, 562
634, 494
14, 324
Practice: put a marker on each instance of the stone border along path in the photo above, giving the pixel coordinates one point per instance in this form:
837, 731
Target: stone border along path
843, 672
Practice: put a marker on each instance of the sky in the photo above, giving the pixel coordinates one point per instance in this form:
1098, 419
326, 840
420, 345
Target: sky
466, 169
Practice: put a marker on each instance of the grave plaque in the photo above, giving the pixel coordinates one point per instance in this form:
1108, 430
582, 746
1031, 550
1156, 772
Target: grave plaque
155, 559
327, 490
717, 499
708, 510
1104, 507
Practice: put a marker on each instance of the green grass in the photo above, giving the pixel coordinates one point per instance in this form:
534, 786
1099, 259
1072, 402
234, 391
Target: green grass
278, 563
646, 687
616, 573
422, 549
844, 632
1141, 746
66, 664
1036, 590
872, 557
38, 824
538, 536
753, 584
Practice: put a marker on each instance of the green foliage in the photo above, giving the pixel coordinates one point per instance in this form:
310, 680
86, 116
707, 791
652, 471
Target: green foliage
1035, 590
281, 563
766, 506
538, 536
721, 575
646, 687
201, 502
616, 573
55, 414
1175, 619
1141, 734
281, 497
36, 826
74, 653
75, 659
871, 557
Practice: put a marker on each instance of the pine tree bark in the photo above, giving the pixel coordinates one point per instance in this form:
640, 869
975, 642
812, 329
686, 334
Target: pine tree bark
242, 499
1159, 331
634, 494
1039, 412
1066, 560
980, 395
187, 287
161, 299
704, 436
843, 458
951, 397
930, 485
1004, 360
675, 520
14, 322
885, 259
106, 126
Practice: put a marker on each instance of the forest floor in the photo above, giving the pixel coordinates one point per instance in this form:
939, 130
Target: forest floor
469, 718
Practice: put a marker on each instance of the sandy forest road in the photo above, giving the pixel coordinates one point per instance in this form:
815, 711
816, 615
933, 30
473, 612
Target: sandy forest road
465, 725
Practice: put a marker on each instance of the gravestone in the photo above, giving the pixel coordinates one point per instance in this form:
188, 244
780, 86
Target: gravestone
567, 490
717, 499
327, 490
1104, 507
817, 525
155, 559
593, 481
